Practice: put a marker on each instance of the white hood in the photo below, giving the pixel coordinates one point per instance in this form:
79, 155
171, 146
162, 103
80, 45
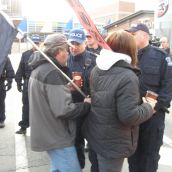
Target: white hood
108, 58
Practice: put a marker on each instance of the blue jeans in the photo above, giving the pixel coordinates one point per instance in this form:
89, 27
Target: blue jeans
64, 160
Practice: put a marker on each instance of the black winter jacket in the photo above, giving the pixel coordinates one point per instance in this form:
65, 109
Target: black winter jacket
156, 75
83, 63
24, 70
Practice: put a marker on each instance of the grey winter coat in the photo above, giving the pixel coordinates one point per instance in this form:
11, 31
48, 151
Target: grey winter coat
111, 127
52, 112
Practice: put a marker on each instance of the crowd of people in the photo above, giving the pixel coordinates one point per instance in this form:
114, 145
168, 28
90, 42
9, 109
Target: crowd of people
116, 116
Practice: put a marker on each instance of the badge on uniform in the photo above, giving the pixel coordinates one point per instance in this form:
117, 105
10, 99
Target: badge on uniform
169, 60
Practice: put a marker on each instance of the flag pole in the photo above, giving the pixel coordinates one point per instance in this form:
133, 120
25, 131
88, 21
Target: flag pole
48, 59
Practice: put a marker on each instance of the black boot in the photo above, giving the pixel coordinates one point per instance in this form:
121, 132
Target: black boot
21, 131
2, 124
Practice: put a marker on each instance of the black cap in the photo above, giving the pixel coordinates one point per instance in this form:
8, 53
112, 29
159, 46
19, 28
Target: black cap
36, 39
137, 27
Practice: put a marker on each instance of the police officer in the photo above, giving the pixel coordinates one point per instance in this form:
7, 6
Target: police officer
22, 78
6, 78
165, 45
92, 44
80, 60
155, 76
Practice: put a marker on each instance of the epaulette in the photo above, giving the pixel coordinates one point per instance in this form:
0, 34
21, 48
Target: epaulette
160, 50
92, 54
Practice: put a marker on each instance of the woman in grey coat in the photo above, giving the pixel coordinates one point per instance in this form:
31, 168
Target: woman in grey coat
111, 128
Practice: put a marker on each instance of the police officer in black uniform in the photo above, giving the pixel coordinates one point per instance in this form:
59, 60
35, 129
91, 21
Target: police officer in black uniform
22, 78
155, 76
165, 45
80, 60
94, 47
6, 78
92, 44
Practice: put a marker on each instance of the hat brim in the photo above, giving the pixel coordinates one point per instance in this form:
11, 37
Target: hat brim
69, 44
131, 30
36, 42
76, 40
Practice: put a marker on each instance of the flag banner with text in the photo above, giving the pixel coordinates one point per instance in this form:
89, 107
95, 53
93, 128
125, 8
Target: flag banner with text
7, 35
87, 23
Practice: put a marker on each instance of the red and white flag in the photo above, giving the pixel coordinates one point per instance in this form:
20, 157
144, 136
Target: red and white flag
87, 23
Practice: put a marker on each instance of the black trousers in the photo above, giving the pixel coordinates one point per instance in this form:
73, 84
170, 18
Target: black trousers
146, 157
2, 102
24, 123
93, 160
80, 143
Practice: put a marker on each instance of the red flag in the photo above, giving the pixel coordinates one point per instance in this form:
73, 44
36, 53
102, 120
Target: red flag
87, 23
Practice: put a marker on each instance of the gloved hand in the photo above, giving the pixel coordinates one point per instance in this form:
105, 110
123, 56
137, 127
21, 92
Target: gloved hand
162, 106
8, 86
20, 87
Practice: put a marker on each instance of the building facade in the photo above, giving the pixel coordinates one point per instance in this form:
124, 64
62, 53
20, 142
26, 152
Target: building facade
142, 16
112, 12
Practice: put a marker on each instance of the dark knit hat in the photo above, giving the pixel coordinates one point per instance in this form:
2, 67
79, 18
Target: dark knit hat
55, 40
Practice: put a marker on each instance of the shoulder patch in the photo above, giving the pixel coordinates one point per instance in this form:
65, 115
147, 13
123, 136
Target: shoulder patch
160, 51
169, 61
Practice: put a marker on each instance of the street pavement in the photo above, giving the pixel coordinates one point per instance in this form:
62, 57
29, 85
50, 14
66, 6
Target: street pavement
15, 152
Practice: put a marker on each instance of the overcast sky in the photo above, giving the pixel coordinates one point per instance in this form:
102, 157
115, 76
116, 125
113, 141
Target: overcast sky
60, 10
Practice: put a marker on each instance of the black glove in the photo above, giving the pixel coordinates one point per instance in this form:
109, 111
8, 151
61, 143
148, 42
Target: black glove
8, 86
20, 87
160, 106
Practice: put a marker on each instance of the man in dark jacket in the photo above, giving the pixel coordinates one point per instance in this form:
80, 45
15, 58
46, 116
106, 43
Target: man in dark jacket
92, 44
5, 84
22, 78
94, 47
83, 61
155, 76
165, 45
